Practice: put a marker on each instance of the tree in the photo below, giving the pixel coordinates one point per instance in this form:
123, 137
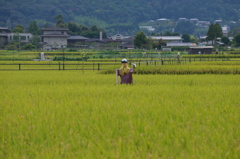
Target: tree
219, 32
46, 25
35, 40
19, 29
185, 27
225, 40
140, 39
149, 44
168, 33
74, 28
60, 21
193, 39
236, 39
186, 38
94, 28
33, 28
16, 38
214, 32
11, 46
234, 31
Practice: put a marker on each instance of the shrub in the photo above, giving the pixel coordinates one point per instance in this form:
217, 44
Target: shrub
11, 47
28, 47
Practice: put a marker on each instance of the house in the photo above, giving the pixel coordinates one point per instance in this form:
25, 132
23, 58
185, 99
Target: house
203, 24
162, 19
118, 37
4, 36
127, 43
55, 38
182, 19
148, 28
218, 21
225, 30
100, 43
75, 39
167, 38
23, 37
194, 20
200, 50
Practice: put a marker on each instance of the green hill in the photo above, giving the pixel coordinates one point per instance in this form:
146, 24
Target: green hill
112, 13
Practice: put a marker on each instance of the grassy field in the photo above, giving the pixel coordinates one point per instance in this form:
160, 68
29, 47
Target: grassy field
68, 114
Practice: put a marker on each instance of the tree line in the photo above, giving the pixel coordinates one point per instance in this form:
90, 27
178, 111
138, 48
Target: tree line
108, 14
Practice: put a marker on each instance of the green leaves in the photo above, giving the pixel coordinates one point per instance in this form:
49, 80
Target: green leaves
214, 32
19, 29
110, 12
140, 39
65, 114
237, 39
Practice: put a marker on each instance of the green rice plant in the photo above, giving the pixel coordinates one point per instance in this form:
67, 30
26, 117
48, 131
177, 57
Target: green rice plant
182, 69
70, 114
211, 56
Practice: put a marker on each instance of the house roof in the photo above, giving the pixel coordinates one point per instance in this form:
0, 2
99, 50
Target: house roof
20, 34
162, 19
76, 37
54, 29
4, 34
96, 40
55, 35
6, 29
202, 47
180, 44
167, 38
194, 19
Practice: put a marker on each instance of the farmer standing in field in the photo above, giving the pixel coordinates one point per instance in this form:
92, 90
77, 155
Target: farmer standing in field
125, 73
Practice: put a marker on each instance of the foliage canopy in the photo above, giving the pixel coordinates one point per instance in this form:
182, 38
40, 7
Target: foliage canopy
105, 13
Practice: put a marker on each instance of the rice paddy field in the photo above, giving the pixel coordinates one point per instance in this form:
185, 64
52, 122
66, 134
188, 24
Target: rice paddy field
75, 114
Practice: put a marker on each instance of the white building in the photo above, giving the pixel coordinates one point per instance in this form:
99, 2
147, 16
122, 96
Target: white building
194, 20
6, 36
118, 37
23, 37
218, 21
54, 38
204, 24
225, 30
162, 19
182, 19
148, 28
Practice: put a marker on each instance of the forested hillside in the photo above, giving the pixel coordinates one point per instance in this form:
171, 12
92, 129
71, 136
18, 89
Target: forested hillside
112, 13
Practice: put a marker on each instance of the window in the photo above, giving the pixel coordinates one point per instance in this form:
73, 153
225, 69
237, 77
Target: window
23, 38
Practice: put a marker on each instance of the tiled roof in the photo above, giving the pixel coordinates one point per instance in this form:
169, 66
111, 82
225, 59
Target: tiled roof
77, 38
54, 29
55, 35
166, 37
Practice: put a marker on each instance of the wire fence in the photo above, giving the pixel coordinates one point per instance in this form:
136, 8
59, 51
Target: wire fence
97, 65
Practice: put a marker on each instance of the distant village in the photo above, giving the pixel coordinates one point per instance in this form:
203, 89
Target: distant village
58, 38
196, 21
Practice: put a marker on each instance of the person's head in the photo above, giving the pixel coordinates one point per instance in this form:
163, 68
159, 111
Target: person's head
124, 62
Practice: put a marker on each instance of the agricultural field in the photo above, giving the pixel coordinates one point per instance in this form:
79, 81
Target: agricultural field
76, 114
